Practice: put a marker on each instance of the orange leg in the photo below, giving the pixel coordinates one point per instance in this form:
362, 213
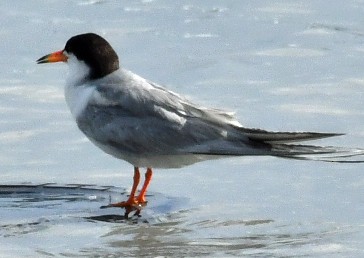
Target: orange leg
136, 180
148, 177
135, 203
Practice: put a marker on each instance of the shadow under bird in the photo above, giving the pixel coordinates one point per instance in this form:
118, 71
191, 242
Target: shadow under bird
149, 126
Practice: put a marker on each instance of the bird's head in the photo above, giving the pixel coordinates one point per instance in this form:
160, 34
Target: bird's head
90, 50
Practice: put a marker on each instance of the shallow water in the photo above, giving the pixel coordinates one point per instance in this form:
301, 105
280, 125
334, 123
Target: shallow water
282, 65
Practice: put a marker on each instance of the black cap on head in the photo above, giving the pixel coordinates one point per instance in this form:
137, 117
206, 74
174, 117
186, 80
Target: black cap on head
96, 52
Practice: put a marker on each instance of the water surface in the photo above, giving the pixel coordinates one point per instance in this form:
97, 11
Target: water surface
282, 65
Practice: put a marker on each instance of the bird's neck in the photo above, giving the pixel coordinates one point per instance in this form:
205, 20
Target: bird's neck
78, 72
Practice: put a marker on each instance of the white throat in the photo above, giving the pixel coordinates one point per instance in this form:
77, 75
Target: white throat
78, 90
78, 70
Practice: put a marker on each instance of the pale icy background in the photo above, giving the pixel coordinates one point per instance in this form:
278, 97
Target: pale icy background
281, 65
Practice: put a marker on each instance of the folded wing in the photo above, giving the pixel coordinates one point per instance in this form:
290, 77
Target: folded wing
143, 118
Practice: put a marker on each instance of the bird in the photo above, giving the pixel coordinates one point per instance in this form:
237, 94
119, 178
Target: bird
149, 126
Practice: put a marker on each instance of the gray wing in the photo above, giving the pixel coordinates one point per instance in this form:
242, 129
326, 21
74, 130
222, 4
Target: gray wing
148, 134
140, 117
144, 97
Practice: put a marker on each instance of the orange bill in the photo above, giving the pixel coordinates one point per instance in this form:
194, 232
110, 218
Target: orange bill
58, 56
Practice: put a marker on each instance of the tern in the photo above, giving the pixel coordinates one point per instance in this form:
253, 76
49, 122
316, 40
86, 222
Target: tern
143, 123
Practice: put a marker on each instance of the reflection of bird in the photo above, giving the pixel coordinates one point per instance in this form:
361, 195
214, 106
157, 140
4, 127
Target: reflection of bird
141, 122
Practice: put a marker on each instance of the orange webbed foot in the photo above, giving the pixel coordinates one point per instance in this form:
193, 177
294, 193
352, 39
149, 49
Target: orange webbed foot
129, 206
134, 203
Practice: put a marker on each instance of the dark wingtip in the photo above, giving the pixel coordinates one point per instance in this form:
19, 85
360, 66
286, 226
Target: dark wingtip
332, 134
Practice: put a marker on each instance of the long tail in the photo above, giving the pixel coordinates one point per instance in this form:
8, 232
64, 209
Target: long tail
284, 137
319, 153
280, 146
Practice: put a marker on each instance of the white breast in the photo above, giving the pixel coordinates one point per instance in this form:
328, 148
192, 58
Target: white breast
77, 98
77, 92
